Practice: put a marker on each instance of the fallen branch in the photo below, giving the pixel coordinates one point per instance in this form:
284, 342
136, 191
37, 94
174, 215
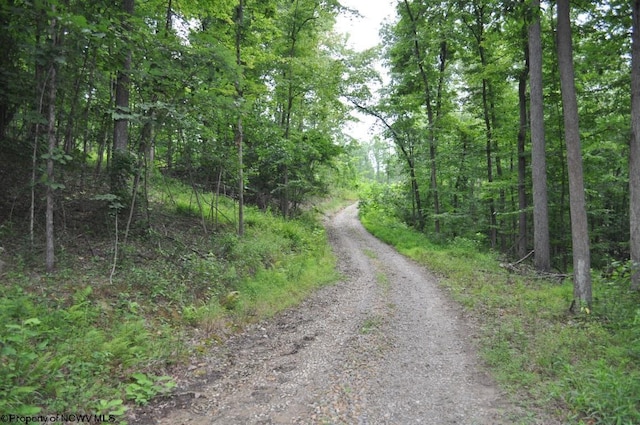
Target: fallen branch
523, 258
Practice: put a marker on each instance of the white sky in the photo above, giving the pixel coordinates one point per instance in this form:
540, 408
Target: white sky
363, 34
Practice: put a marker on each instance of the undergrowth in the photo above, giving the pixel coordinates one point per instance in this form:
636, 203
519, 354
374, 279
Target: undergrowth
583, 368
84, 339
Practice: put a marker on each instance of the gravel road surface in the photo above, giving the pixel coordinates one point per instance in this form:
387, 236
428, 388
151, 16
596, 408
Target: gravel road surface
383, 346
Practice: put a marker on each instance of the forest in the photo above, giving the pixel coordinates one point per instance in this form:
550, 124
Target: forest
508, 132
512, 125
214, 93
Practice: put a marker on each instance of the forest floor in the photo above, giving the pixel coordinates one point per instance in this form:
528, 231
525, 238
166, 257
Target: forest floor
386, 345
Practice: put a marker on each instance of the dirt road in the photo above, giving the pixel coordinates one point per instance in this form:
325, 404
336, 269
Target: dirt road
383, 346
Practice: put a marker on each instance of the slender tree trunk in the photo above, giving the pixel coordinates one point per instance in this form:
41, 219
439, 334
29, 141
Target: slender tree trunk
493, 223
38, 106
489, 120
430, 117
121, 122
522, 166
417, 200
461, 178
541, 245
168, 25
51, 135
634, 150
239, 134
500, 225
577, 202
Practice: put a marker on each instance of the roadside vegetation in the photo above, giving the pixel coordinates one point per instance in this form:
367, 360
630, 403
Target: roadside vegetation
582, 365
96, 339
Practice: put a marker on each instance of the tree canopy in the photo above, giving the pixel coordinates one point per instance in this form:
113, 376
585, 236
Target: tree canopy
249, 99
460, 112
241, 98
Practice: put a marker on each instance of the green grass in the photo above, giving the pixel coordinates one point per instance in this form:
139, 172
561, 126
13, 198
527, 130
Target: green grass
371, 324
80, 341
584, 368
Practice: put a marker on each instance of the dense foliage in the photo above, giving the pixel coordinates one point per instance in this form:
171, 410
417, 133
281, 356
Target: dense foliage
456, 111
208, 91
85, 340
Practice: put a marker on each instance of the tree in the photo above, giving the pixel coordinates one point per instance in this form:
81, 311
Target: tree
429, 104
483, 23
51, 145
121, 161
541, 246
522, 162
239, 133
634, 150
578, 209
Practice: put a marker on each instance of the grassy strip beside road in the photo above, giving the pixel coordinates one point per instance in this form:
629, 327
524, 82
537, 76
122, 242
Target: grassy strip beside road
77, 341
583, 368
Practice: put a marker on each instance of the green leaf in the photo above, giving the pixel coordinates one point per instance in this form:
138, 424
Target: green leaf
79, 20
27, 410
8, 350
32, 321
141, 378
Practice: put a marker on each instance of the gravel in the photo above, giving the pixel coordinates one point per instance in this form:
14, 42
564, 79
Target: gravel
383, 346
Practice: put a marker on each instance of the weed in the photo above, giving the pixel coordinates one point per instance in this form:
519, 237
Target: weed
371, 324
69, 340
369, 253
145, 387
110, 408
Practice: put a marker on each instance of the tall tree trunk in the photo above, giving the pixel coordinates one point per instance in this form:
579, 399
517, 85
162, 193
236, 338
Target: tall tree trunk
430, 117
239, 134
51, 136
38, 106
577, 202
493, 223
502, 204
522, 164
121, 123
634, 150
541, 245
489, 118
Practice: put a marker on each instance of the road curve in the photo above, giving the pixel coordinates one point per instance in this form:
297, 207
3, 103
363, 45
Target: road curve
383, 346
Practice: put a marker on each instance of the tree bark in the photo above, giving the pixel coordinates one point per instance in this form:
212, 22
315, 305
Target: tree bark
121, 124
119, 171
541, 245
239, 134
634, 150
522, 165
51, 136
577, 202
